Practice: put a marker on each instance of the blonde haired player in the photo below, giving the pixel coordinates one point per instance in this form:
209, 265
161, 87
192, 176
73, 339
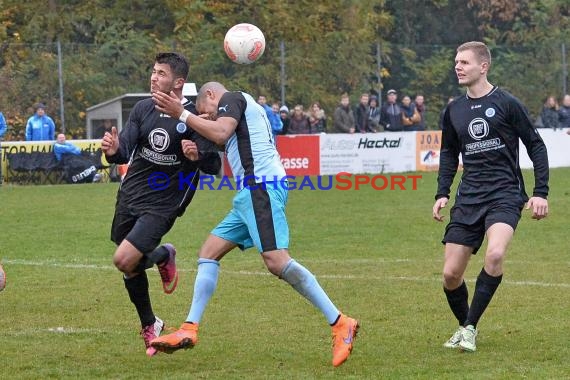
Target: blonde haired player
484, 126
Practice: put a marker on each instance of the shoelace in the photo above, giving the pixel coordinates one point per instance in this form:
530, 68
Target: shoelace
456, 336
148, 334
163, 271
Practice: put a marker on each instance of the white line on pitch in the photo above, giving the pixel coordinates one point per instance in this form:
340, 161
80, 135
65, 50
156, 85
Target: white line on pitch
257, 273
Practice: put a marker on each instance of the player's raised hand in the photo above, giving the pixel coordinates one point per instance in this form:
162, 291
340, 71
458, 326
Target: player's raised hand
110, 142
439, 204
190, 150
168, 103
539, 207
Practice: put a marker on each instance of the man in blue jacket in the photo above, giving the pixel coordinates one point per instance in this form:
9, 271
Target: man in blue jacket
2, 125
40, 127
272, 115
64, 147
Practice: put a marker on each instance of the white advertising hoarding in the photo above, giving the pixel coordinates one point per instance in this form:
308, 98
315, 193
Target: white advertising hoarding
388, 152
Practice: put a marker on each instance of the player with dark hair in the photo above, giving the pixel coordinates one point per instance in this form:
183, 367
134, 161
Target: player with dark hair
258, 215
152, 194
484, 126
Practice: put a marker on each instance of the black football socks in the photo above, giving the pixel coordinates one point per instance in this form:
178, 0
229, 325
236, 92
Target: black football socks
485, 288
137, 287
158, 256
458, 302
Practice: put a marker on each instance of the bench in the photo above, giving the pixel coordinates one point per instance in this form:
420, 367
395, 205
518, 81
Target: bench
41, 168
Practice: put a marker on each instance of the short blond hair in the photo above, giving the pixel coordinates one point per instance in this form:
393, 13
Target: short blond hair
481, 50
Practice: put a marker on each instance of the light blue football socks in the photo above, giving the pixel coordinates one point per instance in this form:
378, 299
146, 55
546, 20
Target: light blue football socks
204, 287
304, 282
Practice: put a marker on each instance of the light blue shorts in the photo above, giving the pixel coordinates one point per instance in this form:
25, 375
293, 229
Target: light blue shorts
257, 219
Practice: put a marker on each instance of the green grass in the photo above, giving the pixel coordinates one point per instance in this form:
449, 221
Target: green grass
377, 254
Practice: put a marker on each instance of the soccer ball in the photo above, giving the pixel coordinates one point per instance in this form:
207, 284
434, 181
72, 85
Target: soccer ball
244, 43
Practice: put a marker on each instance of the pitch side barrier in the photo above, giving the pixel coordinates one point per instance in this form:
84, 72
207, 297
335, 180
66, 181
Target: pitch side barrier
387, 152
34, 161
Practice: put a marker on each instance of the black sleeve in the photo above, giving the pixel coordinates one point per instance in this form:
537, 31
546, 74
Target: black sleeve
448, 158
128, 138
535, 148
208, 153
210, 162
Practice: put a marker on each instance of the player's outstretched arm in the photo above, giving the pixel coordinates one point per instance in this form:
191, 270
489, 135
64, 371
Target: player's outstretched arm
539, 207
438, 205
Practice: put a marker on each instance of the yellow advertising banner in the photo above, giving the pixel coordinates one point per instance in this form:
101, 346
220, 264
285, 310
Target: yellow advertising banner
428, 146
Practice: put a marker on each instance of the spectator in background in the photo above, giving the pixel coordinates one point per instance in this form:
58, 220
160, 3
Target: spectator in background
549, 113
361, 114
3, 126
343, 117
275, 120
564, 113
285, 119
273, 117
262, 101
62, 147
40, 127
75, 164
391, 113
421, 107
374, 115
106, 126
317, 118
2, 132
410, 115
299, 123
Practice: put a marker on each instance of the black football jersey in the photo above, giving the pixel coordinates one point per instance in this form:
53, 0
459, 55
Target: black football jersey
486, 132
160, 179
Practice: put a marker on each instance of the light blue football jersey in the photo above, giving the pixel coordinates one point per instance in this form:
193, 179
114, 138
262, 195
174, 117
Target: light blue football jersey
250, 150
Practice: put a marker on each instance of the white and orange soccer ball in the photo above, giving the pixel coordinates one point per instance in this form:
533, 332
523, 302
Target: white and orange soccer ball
244, 43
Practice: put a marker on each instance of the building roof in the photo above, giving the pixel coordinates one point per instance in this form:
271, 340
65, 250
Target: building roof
188, 90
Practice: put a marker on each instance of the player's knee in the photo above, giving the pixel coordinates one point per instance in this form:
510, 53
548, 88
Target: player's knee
452, 278
123, 263
274, 268
276, 261
494, 256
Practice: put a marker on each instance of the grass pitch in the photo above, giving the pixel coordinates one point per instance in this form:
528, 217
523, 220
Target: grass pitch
65, 312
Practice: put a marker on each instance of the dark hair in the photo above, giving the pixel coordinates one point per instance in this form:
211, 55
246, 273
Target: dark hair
177, 62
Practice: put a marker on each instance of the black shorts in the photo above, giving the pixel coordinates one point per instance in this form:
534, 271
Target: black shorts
143, 230
468, 223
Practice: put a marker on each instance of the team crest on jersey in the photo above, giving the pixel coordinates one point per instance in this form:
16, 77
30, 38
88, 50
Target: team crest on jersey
159, 139
478, 128
490, 112
181, 128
